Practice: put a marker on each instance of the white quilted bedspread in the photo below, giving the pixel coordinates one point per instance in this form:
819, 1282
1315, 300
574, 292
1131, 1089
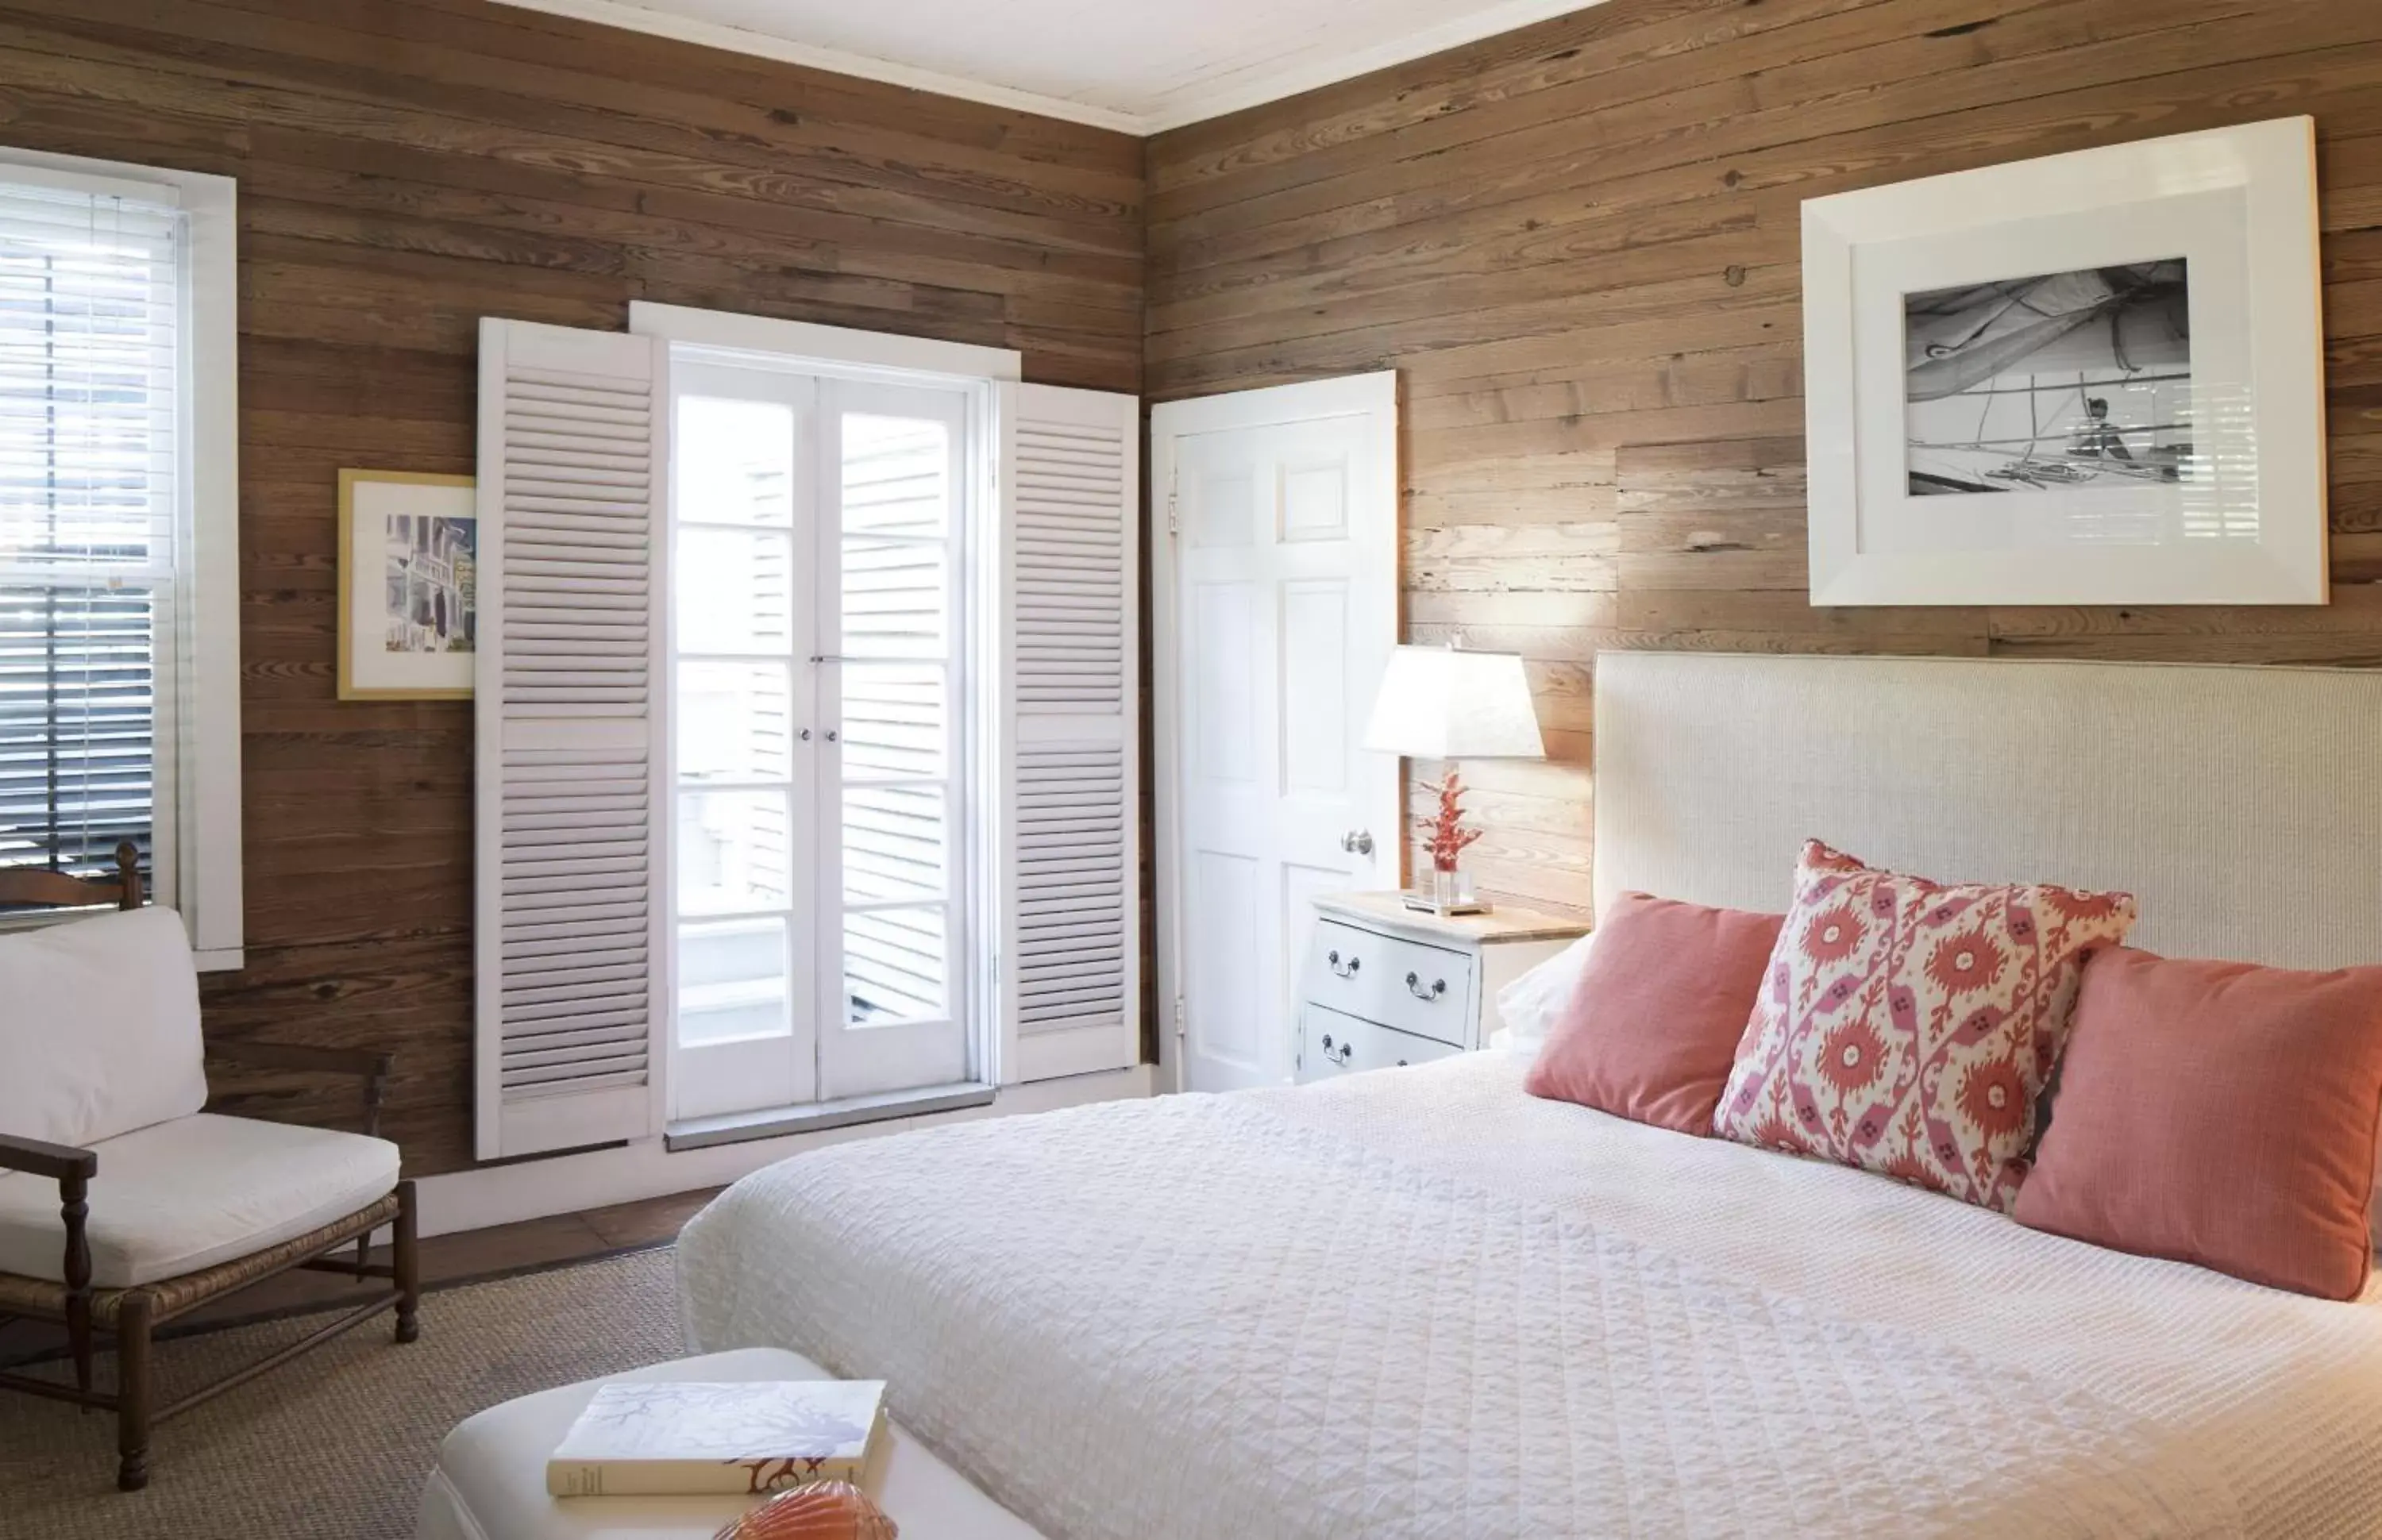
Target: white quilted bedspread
1419, 1303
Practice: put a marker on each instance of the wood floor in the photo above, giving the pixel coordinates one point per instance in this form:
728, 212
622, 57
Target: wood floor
464, 1257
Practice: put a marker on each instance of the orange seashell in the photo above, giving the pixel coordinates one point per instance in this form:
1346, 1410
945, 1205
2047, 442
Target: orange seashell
828, 1511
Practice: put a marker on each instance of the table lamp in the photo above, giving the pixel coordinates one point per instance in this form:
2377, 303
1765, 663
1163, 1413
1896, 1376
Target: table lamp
1446, 704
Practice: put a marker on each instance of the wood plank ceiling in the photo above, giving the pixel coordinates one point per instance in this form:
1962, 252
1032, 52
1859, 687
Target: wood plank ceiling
1578, 244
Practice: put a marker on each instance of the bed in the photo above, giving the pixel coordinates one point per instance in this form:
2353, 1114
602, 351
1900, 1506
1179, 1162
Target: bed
1422, 1304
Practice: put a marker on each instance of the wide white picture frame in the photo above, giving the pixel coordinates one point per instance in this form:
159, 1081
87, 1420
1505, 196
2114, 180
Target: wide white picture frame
2240, 517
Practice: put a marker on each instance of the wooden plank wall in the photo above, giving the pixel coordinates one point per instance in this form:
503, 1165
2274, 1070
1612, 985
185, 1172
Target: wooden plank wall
1578, 244
407, 168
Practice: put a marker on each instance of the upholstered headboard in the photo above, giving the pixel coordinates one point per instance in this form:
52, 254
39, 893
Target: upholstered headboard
2243, 806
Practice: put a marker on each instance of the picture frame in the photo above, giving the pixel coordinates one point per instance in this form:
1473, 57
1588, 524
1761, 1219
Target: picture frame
2095, 378
408, 544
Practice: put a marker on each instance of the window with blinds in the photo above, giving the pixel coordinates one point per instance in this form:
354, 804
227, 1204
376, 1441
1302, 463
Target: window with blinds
92, 485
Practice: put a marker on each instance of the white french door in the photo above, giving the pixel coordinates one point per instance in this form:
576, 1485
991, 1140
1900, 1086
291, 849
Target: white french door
890, 686
819, 745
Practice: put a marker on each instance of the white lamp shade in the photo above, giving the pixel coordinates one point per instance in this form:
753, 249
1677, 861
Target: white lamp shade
1442, 703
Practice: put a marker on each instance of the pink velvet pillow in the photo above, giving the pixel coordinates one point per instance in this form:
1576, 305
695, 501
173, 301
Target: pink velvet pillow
2221, 1114
1653, 1023
1906, 1027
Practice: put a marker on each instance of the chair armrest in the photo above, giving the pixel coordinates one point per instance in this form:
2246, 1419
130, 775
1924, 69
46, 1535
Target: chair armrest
361, 1062
72, 1169
57, 1162
370, 1065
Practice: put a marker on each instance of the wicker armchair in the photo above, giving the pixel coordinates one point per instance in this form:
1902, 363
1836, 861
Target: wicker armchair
160, 1207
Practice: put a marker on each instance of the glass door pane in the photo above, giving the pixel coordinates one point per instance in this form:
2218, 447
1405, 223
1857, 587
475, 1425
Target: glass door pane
895, 965
744, 612
892, 1017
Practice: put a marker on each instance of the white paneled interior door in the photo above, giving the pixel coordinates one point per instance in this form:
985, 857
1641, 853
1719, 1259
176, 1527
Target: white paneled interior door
1276, 589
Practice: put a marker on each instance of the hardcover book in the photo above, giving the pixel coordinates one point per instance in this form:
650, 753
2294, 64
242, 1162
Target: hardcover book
654, 1438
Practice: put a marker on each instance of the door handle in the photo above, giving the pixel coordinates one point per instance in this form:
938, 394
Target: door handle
1358, 842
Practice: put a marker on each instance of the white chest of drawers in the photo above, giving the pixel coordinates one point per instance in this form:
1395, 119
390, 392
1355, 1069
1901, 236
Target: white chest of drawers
1384, 985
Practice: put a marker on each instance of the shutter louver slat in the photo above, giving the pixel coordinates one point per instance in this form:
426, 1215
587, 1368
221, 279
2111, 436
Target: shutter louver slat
1071, 524
1072, 942
569, 897
1073, 865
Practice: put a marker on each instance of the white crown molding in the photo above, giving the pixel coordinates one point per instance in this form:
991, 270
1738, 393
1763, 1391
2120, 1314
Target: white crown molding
1218, 98
1177, 109
743, 39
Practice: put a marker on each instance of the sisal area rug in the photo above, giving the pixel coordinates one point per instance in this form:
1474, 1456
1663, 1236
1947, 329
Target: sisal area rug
335, 1444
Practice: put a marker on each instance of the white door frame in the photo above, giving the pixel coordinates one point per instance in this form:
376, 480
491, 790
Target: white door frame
1375, 521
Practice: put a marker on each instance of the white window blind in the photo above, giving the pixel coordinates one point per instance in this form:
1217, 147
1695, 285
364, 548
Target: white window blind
92, 448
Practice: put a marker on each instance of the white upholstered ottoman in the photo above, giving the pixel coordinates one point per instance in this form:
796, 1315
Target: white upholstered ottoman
490, 1482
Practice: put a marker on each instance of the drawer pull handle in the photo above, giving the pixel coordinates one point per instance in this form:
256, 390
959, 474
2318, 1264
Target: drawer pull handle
1414, 987
1340, 1055
1333, 958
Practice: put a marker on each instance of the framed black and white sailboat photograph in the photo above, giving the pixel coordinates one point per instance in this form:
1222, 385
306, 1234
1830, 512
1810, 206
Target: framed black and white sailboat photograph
2055, 380
2095, 378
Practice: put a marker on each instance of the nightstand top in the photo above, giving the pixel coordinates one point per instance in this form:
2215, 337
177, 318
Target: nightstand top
1504, 922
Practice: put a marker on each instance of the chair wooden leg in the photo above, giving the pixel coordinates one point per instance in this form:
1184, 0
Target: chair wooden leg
78, 1336
132, 1392
74, 1212
405, 1255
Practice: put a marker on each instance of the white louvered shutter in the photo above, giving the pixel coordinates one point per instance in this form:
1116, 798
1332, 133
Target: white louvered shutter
569, 678
1069, 888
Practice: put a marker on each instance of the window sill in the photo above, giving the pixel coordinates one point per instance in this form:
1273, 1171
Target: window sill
736, 1128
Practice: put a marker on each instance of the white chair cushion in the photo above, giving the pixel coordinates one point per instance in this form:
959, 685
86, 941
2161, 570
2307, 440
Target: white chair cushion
490, 1481
176, 1197
99, 1028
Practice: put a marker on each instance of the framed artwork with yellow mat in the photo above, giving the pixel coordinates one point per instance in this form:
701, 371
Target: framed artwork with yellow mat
409, 577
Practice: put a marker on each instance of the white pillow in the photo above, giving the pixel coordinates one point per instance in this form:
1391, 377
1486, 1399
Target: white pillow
99, 1028
1528, 1005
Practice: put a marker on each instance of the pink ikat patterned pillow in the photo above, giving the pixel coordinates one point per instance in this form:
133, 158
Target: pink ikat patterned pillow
1908, 1027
